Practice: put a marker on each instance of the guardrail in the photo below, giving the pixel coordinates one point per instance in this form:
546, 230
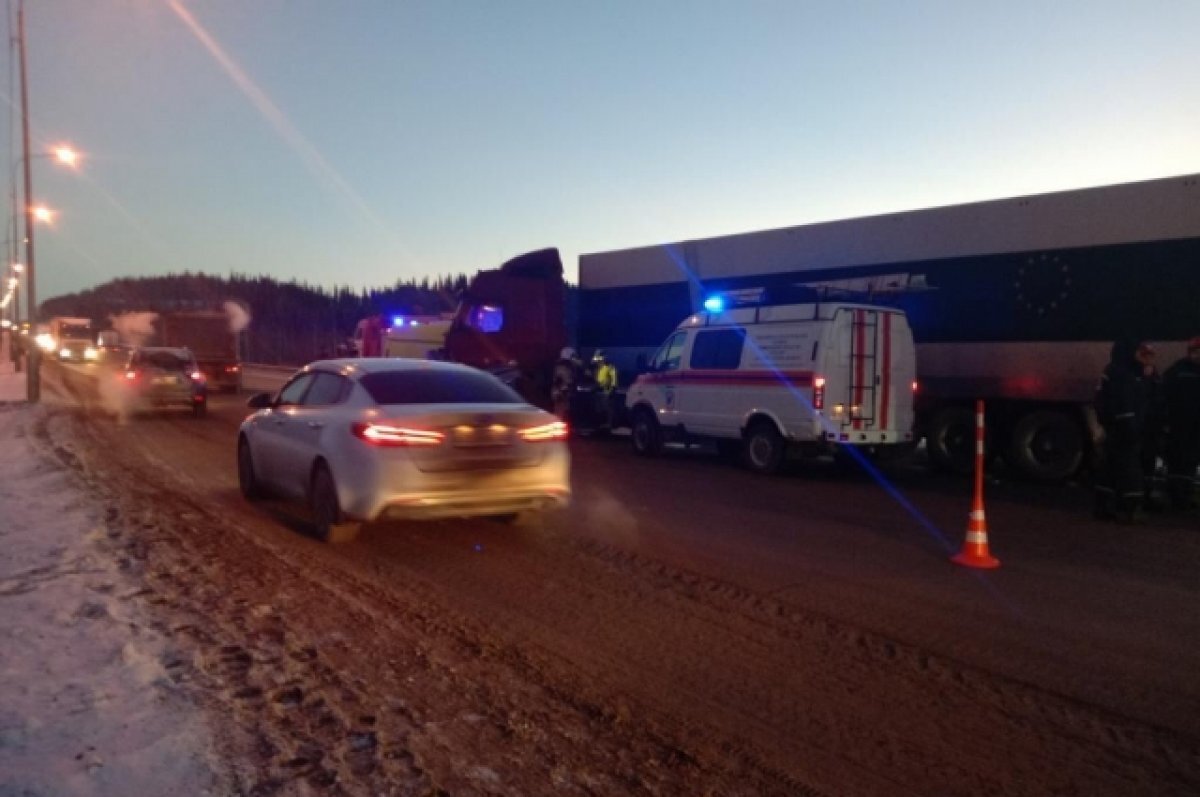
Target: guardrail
258, 377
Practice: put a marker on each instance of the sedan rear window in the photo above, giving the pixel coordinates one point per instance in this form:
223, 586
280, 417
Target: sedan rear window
438, 387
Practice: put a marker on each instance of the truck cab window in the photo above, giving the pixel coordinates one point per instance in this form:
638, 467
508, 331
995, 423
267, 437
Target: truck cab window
486, 318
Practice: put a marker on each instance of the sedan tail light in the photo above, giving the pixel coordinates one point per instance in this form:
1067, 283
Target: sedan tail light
556, 430
381, 434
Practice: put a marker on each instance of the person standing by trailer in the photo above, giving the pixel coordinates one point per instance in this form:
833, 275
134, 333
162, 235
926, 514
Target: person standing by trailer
1181, 386
568, 373
1154, 429
1121, 410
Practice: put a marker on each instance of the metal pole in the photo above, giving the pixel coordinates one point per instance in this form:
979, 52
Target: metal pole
33, 384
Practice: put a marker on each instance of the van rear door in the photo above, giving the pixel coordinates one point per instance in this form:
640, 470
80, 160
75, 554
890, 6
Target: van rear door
873, 382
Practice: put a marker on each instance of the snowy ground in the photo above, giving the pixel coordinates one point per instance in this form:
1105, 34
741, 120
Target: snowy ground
87, 704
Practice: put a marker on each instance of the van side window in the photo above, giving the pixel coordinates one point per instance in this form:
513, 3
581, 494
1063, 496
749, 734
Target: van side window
667, 358
718, 348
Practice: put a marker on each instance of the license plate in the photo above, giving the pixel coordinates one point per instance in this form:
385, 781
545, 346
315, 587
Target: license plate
482, 436
166, 380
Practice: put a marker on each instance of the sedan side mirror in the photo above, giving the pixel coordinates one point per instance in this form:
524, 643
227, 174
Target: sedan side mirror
260, 401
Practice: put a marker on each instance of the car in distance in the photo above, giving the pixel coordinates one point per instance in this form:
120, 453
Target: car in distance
366, 439
156, 377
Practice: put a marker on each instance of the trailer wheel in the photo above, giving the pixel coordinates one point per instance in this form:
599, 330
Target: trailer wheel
1046, 445
951, 440
646, 434
763, 448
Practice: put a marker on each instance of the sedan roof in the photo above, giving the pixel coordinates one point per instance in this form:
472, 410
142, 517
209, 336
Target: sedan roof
358, 366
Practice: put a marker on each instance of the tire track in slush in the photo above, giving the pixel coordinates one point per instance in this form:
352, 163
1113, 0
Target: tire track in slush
460, 687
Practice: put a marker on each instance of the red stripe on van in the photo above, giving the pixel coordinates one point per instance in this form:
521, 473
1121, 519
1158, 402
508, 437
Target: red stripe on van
860, 342
732, 378
886, 367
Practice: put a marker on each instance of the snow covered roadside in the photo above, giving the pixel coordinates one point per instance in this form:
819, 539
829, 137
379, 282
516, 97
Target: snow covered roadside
87, 706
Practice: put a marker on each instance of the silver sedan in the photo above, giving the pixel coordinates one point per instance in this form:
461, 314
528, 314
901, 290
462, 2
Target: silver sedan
371, 439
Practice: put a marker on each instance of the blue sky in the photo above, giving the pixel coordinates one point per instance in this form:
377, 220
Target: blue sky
372, 141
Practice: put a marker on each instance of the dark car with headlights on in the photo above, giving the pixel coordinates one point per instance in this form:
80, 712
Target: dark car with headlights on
160, 377
367, 439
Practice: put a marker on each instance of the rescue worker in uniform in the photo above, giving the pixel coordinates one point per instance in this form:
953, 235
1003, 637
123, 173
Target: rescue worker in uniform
1121, 410
1154, 429
605, 374
568, 373
1181, 386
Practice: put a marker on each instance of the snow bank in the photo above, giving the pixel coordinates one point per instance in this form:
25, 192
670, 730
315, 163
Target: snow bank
86, 705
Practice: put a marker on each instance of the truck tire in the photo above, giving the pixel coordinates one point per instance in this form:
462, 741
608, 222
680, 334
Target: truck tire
951, 440
329, 522
1046, 445
647, 434
763, 448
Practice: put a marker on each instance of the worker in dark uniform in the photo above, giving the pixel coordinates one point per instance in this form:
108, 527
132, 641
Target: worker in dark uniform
1121, 410
1181, 386
1154, 430
568, 373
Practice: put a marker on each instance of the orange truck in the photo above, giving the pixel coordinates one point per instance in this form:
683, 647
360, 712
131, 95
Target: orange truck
209, 336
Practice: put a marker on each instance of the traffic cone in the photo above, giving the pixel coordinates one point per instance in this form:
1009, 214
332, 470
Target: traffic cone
975, 549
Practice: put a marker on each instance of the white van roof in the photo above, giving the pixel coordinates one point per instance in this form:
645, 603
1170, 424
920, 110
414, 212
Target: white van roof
809, 311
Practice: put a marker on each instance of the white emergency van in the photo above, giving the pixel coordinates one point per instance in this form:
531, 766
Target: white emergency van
764, 380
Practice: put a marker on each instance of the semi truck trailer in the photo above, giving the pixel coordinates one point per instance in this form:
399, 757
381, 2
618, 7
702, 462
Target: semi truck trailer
1015, 301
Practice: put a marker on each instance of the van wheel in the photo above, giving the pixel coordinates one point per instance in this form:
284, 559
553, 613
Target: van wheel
647, 434
763, 448
951, 440
1046, 445
329, 522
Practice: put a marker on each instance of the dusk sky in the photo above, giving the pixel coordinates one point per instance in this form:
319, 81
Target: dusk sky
361, 143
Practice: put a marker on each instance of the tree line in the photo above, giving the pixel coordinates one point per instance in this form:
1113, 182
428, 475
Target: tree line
290, 322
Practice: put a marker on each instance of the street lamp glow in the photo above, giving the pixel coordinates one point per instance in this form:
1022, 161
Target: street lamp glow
66, 156
43, 213
18, 268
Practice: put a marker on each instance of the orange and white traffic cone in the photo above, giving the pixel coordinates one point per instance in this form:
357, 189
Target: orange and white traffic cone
975, 549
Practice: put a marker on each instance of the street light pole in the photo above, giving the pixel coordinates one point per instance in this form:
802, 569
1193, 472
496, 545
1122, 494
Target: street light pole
33, 383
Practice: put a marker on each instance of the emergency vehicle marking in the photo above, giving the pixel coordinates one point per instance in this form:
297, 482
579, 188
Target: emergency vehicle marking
886, 366
714, 377
860, 342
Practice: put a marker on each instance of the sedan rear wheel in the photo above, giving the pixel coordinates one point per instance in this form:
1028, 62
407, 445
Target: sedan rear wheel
329, 522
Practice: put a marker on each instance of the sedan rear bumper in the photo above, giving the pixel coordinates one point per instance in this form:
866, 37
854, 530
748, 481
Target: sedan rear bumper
455, 505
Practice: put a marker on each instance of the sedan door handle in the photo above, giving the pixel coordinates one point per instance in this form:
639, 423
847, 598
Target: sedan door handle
316, 425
